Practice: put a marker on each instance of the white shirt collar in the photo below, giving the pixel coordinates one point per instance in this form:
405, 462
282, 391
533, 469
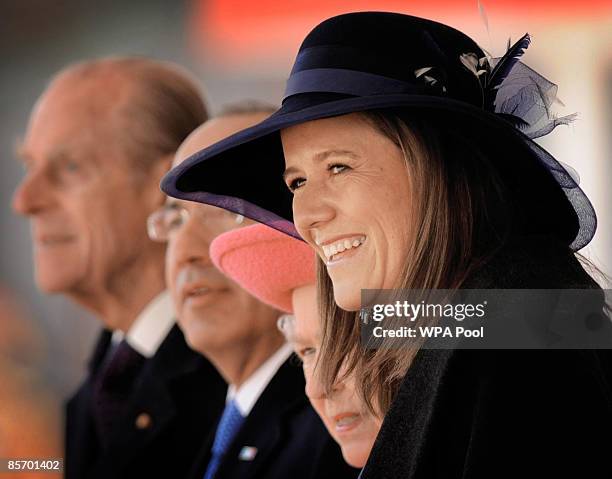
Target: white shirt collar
248, 393
150, 327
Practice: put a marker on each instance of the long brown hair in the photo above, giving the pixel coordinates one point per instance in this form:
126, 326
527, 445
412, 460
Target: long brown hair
460, 214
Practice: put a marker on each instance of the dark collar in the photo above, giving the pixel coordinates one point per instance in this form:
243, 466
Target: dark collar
173, 358
530, 262
99, 351
285, 390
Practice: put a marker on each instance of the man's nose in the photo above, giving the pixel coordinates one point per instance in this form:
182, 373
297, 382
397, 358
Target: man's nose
190, 243
32, 195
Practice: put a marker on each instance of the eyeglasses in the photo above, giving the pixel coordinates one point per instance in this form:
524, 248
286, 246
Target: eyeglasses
167, 220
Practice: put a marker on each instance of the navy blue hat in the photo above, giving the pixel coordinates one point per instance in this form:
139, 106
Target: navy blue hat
379, 60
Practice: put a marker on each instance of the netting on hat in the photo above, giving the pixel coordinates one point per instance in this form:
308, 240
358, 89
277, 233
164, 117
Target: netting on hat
581, 204
529, 96
525, 98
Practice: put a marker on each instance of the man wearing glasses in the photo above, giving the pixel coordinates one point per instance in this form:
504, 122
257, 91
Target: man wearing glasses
267, 429
98, 141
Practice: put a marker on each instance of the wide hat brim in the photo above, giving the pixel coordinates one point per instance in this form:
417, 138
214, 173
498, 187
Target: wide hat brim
266, 263
243, 173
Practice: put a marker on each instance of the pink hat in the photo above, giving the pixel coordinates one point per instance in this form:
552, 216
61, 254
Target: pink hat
265, 262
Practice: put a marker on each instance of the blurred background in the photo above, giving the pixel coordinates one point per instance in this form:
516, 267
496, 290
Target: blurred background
242, 49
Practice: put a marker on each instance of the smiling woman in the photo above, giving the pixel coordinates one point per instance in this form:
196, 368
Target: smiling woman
457, 212
409, 153
332, 188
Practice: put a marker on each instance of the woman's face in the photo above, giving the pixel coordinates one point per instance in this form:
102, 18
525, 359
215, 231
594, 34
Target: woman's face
351, 425
351, 201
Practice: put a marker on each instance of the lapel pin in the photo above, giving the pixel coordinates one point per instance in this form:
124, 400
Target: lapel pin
143, 421
247, 453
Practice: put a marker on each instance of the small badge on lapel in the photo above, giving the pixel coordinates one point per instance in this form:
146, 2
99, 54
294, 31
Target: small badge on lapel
247, 453
143, 421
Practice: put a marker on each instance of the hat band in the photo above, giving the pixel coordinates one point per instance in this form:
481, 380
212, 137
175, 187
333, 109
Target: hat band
348, 82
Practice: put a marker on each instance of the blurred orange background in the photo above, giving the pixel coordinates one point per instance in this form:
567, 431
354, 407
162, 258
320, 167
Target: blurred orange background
268, 29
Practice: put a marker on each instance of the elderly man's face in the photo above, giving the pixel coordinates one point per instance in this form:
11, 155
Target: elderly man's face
213, 311
87, 205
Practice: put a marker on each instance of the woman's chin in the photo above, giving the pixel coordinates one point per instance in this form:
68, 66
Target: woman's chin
348, 299
354, 456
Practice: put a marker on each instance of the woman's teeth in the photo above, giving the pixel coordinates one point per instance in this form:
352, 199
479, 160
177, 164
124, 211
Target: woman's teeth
346, 420
342, 245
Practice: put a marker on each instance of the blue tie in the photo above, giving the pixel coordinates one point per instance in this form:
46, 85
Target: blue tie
228, 427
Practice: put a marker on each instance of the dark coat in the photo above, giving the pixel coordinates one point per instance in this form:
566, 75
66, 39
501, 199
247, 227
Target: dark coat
291, 440
506, 413
178, 397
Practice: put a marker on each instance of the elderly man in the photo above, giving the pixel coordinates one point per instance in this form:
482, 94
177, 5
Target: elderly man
98, 141
268, 429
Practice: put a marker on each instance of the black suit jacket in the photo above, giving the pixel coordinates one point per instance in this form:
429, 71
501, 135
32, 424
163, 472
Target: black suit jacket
175, 404
291, 440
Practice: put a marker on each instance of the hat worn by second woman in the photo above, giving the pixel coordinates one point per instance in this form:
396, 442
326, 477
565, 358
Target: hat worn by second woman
265, 262
380, 60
